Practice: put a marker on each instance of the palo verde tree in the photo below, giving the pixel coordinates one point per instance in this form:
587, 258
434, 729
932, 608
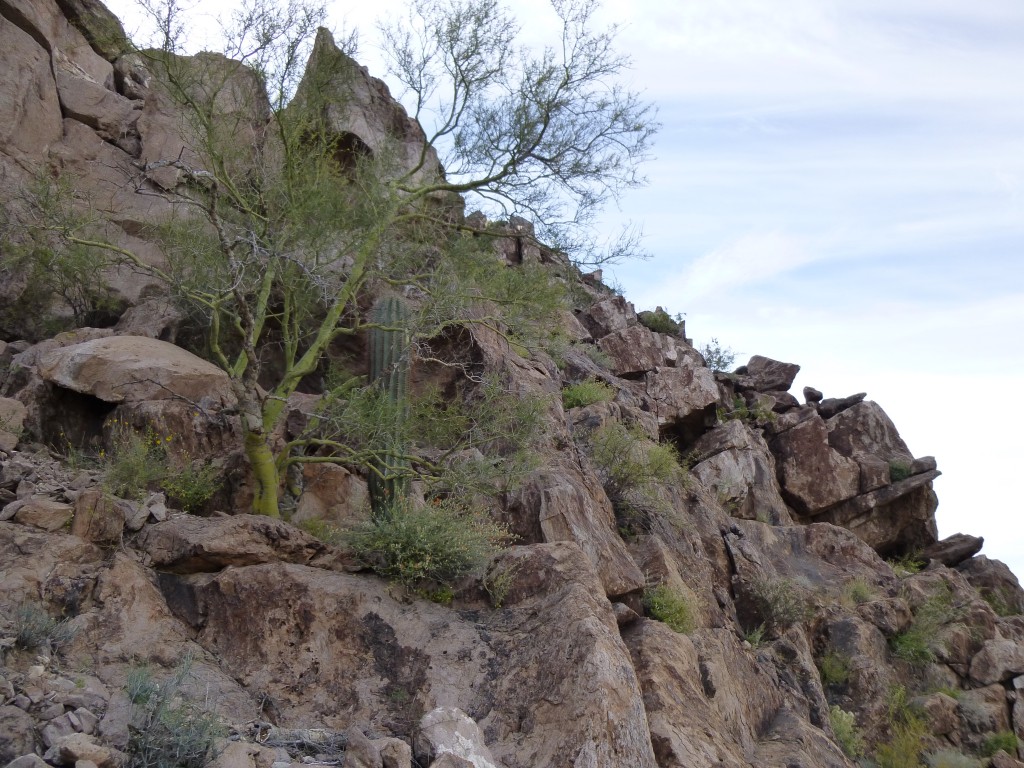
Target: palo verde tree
285, 227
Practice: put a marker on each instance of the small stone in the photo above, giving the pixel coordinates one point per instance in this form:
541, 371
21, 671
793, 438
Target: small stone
51, 711
21, 702
56, 731
812, 395
36, 671
85, 764
87, 720
27, 761
394, 753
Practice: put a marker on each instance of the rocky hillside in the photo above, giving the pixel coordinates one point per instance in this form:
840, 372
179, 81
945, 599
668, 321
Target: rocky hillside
705, 571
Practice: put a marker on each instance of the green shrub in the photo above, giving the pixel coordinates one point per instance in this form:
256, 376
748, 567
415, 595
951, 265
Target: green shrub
439, 543
898, 470
587, 393
1001, 600
779, 602
917, 644
904, 748
631, 467
848, 737
661, 321
755, 636
858, 591
835, 668
906, 565
1004, 740
166, 731
673, 608
740, 411
35, 629
717, 357
136, 462
950, 758
189, 485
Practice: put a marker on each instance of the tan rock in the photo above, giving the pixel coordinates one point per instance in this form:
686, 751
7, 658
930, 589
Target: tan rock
109, 114
683, 397
30, 118
998, 660
766, 375
41, 512
330, 492
17, 733
865, 430
98, 517
79, 746
394, 753
194, 544
360, 752
449, 730
12, 419
120, 368
608, 316
637, 350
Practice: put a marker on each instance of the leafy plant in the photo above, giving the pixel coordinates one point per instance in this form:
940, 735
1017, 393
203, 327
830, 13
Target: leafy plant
917, 644
907, 733
631, 468
1004, 740
742, 412
190, 484
672, 608
717, 357
835, 668
906, 565
326, 532
166, 731
136, 463
586, 393
661, 321
858, 591
848, 736
756, 635
779, 602
34, 629
1002, 601
898, 470
439, 543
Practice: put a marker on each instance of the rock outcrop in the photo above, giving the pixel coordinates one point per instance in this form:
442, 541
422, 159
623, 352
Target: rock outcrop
736, 611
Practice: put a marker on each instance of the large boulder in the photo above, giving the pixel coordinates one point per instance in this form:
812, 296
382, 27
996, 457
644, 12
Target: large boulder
133, 368
766, 375
813, 475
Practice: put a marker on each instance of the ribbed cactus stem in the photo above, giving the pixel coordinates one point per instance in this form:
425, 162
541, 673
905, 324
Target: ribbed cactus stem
389, 370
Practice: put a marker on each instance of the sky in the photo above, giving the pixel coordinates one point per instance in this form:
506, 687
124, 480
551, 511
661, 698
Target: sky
839, 184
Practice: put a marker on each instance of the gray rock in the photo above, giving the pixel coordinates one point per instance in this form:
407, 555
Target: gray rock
17, 733
833, 405
766, 375
953, 550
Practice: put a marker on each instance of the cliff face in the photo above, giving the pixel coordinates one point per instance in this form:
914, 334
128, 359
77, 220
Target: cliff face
739, 613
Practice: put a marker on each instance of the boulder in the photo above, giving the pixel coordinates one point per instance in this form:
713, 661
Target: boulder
995, 582
766, 375
864, 430
999, 660
133, 368
682, 398
812, 395
813, 476
30, 117
189, 544
12, 419
98, 517
734, 462
953, 550
17, 733
608, 316
360, 752
42, 512
450, 731
636, 350
332, 493
833, 405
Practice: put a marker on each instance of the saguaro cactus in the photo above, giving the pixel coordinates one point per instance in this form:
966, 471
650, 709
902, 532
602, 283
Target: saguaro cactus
389, 371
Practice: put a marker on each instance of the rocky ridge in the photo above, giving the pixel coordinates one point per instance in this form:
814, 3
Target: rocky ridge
777, 541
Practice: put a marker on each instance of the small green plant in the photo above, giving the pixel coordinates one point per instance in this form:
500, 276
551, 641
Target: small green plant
717, 357
907, 729
917, 644
1001, 601
165, 731
756, 636
898, 470
631, 468
661, 321
498, 581
1004, 740
670, 607
779, 602
835, 668
857, 591
906, 565
190, 484
323, 530
848, 737
587, 393
35, 629
740, 411
950, 758
438, 543
136, 463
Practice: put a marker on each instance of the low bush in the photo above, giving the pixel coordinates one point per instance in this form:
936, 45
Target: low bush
587, 393
898, 470
779, 602
848, 736
672, 608
717, 357
136, 462
189, 485
1004, 740
35, 629
326, 532
165, 731
438, 543
858, 591
908, 731
917, 644
906, 565
661, 321
835, 668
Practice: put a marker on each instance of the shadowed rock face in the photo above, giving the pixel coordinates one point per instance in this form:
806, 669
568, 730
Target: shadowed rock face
769, 547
